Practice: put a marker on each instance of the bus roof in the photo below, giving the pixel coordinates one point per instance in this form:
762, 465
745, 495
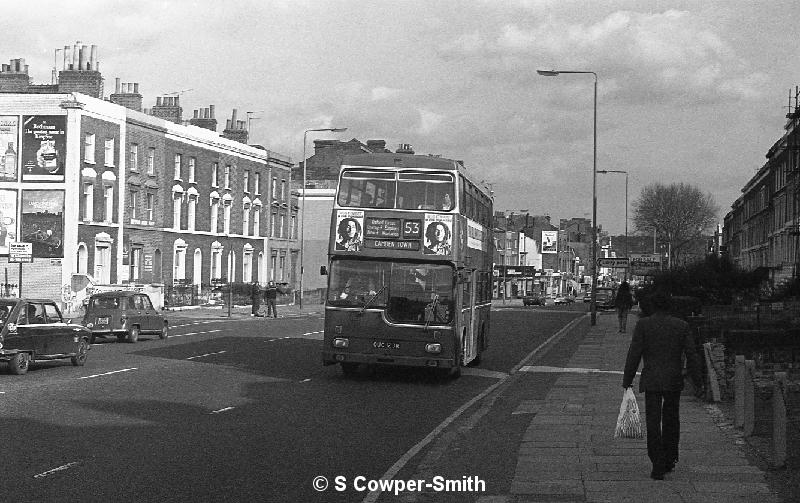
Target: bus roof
412, 161
401, 161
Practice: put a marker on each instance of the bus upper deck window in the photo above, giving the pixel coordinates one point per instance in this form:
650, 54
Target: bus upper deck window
367, 189
425, 191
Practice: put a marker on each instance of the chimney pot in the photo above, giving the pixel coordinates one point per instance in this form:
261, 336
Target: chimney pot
158, 101
211, 110
136, 87
116, 85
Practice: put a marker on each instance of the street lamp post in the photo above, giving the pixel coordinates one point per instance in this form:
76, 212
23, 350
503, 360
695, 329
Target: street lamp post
303, 203
593, 303
626, 203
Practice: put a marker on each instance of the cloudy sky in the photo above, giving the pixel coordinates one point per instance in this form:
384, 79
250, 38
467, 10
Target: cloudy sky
688, 91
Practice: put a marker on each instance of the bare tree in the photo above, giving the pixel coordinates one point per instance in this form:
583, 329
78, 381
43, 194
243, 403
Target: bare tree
679, 212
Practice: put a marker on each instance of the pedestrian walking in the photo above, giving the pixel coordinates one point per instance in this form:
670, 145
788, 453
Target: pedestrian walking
255, 298
623, 303
271, 296
661, 340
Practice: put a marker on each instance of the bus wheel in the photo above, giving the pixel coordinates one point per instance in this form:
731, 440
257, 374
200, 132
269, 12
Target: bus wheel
349, 368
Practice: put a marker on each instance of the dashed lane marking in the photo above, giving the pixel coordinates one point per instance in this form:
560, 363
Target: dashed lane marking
195, 333
109, 373
207, 354
56, 469
224, 409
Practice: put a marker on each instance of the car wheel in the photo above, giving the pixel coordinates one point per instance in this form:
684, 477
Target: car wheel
133, 334
164, 332
80, 356
18, 364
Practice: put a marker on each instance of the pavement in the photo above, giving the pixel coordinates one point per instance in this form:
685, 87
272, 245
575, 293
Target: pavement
568, 452
242, 311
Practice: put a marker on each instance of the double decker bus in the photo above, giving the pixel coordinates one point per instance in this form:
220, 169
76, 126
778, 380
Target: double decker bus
410, 265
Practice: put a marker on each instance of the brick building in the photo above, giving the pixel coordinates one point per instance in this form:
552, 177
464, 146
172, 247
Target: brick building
762, 229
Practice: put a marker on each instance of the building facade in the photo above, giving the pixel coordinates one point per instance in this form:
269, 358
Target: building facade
762, 229
117, 196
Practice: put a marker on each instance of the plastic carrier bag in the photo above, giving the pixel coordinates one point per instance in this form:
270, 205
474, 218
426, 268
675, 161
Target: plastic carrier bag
629, 422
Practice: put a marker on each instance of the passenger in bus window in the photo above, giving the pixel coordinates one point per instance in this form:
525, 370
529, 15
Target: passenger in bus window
446, 203
437, 239
349, 235
360, 285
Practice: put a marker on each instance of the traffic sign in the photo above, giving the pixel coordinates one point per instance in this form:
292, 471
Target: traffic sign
20, 252
645, 264
616, 262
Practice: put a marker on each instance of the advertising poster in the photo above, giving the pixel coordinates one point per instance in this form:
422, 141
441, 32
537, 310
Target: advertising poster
438, 234
8, 219
349, 230
9, 148
44, 143
43, 222
549, 241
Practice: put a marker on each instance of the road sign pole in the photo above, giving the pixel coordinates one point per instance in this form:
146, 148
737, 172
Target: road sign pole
19, 284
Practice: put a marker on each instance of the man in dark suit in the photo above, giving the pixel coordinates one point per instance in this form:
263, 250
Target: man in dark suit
661, 340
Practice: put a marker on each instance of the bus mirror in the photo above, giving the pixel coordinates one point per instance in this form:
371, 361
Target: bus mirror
323, 271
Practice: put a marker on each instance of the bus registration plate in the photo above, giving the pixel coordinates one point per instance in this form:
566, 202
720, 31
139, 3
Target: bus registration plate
385, 345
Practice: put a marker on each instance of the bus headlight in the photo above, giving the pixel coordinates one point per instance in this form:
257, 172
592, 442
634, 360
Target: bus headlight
434, 348
341, 342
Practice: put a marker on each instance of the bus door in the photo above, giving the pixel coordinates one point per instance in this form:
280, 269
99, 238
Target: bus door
467, 317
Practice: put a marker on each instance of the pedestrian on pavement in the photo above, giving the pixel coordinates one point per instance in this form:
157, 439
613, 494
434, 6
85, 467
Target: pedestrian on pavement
271, 296
255, 298
623, 303
661, 340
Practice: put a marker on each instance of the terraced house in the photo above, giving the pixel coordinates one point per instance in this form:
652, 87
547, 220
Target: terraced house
111, 194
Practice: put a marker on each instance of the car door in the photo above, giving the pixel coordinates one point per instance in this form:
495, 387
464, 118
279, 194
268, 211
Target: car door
150, 315
136, 313
59, 337
36, 328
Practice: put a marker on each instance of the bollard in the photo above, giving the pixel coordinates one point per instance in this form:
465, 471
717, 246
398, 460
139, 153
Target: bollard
779, 421
738, 392
749, 398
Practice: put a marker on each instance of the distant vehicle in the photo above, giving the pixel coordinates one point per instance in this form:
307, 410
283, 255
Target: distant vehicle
563, 299
533, 300
33, 330
125, 314
605, 298
587, 297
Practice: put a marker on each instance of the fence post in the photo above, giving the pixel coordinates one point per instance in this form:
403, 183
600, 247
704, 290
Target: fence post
713, 382
749, 398
738, 392
779, 420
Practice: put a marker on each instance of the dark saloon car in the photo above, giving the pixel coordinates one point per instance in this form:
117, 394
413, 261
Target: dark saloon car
124, 314
33, 330
533, 300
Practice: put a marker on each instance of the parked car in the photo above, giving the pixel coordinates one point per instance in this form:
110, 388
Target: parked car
33, 330
563, 299
605, 298
533, 300
124, 314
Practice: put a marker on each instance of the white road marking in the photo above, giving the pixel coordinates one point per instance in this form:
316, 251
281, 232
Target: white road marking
109, 373
195, 333
568, 370
207, 354
54, 470
313, 333
305, 380
225, 409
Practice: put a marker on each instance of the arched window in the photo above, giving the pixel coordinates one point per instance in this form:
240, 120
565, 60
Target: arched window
216, 260
83, 260
179, 261
247, 263
197, 266
102, 258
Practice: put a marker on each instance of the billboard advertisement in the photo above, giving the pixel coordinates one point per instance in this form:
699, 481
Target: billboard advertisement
44, 143
8, 219
9, 147
549, 241
43, 222
645, 264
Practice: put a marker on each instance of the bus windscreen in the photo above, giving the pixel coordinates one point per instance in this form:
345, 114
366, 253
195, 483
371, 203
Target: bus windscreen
410, 292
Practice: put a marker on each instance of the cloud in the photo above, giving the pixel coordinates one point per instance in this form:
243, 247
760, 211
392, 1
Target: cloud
429, 121
384, 93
